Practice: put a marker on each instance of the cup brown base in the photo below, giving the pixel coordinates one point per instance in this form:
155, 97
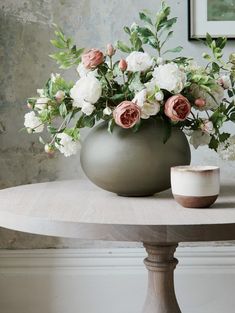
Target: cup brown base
195, 202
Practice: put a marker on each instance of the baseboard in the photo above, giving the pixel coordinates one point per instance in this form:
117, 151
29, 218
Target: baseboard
111, 280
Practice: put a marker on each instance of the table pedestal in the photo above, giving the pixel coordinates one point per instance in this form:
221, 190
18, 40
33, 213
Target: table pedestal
161, 263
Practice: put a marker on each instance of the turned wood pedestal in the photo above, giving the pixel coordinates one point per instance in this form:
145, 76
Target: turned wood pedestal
161, 264
77, 209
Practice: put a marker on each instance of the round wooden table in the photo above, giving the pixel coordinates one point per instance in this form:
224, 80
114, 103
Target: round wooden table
78, 209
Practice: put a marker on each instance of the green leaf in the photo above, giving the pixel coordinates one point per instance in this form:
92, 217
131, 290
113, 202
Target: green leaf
208, 39
123, 47
223, 137
136, 127
174, 50
215, 67
145, 18
214, 143
63, 110
232, 117
118, 96
58, 44
127, 30
111, 125
169, 23
221, 42
89, 121
169, 35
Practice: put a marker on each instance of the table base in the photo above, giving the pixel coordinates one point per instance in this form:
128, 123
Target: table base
161, 263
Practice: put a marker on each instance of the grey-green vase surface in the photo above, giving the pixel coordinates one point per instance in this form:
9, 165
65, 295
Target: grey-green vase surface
133, 164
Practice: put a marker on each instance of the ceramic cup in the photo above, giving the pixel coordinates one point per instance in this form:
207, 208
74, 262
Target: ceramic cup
195, 186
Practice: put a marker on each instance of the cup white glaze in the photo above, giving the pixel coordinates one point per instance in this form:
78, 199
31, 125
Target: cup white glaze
195, 186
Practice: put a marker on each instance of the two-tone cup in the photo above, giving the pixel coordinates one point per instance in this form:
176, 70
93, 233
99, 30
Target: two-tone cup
195, 186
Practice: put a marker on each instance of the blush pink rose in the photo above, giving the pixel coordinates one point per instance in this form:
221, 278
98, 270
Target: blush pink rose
92, 58
127, 114
200, 102
177, 108
123, 65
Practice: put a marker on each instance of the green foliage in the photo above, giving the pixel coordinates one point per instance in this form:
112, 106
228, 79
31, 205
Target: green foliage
70, 54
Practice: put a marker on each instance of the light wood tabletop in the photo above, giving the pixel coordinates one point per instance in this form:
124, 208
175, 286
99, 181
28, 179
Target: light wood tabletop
78, 209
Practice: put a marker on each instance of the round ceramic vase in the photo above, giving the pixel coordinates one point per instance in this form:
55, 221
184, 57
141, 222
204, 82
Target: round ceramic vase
133, 163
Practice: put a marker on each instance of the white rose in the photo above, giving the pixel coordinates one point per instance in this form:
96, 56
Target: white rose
41, 103
212, 102
226, 149
66, 145
32, 122
199, 138
88, 108
149, 109
170, 77
140, 97
86, 89
107, 111
138, 61
159, 96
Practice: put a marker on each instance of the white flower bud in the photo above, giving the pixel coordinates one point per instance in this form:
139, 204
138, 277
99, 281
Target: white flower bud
160, 61
159, 96
59, 96
107, 111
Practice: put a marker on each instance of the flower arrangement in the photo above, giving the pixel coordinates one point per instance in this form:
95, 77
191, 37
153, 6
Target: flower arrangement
127, 91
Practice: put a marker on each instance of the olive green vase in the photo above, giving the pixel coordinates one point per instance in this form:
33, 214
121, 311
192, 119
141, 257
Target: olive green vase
133, 163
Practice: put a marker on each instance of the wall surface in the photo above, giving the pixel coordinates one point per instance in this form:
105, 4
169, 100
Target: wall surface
111, 280
25, 30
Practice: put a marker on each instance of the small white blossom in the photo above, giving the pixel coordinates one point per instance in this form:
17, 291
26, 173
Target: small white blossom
88, 108
41, 93
86, 89
138, 61
41, 103
54, 77
199, 138
170, 77
226, 149
107, 111
67, 145
33, 123
159, 96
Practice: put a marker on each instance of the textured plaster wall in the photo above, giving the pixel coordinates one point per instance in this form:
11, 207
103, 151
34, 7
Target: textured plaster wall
25, 30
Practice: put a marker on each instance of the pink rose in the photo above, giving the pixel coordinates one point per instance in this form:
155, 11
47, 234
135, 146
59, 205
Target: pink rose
177, 108
200, 102
127, 114
123, 65
92, 58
